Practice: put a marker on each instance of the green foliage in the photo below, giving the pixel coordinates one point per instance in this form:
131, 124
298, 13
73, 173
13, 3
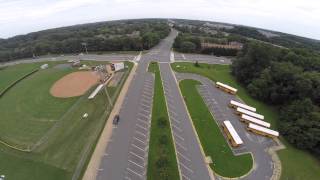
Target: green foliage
104, 36
162, 162
285, 78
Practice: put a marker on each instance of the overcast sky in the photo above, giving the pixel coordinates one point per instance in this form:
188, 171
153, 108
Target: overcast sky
301, 17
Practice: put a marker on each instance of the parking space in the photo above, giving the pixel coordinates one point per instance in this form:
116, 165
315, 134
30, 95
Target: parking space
139, 145
183, 156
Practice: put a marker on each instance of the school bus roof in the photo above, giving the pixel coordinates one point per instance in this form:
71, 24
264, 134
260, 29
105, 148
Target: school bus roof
250, 113
263, 129
227, 86
255, 121
233, 132
244, 106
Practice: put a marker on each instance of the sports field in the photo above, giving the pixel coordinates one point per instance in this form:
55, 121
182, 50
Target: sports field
59, 139
296, 164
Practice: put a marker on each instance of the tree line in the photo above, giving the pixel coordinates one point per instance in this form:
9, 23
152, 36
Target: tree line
288, 80
128, 35
190, 39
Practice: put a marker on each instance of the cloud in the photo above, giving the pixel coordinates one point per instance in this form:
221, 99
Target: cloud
292, 16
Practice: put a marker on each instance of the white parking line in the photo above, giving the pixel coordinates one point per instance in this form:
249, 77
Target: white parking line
181, 164
174, 126
185, 177
145, 143
138, 148
184, 148
136, 164
184, 157
136, 155
138, 125
134, 172
138, 132
175, 134
144, 122
146, 106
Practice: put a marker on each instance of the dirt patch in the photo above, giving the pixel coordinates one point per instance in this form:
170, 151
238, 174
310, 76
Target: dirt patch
74, 84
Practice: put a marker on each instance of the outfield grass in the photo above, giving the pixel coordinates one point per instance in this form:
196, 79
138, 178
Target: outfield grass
213, 142
160, 129
296, 164
66, 150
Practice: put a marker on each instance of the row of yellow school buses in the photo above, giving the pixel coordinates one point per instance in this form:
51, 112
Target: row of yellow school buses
255, 122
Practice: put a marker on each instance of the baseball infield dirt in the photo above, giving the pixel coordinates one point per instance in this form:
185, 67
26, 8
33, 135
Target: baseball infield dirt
74, 84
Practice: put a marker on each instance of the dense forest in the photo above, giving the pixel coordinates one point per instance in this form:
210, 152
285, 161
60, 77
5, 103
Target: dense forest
288, 80
103, 36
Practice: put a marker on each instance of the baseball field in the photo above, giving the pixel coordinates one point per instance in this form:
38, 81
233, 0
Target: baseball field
43, 133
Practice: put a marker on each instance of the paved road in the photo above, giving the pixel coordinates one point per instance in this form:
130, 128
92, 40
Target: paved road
201, 58
217, 102
94, 57
190, 157
126, 154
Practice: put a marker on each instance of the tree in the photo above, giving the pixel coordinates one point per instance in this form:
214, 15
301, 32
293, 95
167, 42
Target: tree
188, 47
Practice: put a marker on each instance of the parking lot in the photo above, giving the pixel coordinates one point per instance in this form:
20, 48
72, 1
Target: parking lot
138, 150
217, 101
201, 58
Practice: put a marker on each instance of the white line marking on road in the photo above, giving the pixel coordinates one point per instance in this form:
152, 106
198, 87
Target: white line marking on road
138, 125
185, 177
186, 167
145, 143
134, 172
136, 164
138, 132
175, 134
184, 157
136, 155
138, 147
184, 148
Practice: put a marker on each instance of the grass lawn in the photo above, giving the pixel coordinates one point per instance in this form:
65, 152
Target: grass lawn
71, 138
212, 141
161, 142
296, 164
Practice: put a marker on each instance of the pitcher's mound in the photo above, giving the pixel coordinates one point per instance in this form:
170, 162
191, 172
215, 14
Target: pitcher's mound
74, 84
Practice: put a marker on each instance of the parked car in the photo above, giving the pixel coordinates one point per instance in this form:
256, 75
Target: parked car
116, 119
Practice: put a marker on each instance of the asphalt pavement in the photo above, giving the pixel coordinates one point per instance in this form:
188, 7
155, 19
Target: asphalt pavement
217, 102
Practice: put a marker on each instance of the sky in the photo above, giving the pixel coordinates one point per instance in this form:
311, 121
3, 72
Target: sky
300, 17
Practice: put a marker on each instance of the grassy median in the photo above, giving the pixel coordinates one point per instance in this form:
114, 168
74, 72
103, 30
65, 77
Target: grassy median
212, 140
162, 162
296, 164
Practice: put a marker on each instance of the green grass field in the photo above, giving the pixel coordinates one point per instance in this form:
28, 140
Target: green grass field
161, 142
31, 114
296, 164
214, 144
